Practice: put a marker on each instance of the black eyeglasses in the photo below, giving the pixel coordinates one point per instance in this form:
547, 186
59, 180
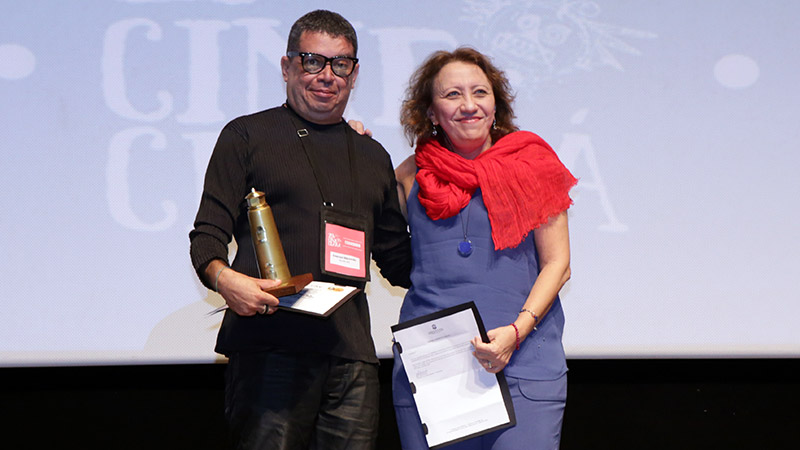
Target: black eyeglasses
313, 63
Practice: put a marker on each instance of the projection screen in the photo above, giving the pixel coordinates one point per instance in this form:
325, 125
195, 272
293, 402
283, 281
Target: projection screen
680, 118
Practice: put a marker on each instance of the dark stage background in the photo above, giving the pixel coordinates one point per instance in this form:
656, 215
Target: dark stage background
612, 404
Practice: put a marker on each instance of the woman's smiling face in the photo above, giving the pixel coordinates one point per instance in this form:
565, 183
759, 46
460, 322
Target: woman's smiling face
463, 106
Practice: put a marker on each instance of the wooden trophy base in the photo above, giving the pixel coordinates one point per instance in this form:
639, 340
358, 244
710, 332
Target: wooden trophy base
291, 286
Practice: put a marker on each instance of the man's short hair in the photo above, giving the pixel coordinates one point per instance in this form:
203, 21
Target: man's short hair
322, 21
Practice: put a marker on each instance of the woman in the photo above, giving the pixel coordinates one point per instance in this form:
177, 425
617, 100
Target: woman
486, 204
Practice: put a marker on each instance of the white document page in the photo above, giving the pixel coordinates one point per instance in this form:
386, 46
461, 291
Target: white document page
455, 396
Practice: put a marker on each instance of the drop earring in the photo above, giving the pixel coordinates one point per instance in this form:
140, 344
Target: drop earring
494, 124
434, 132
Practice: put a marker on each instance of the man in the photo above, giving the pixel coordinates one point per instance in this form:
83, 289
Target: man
293, 380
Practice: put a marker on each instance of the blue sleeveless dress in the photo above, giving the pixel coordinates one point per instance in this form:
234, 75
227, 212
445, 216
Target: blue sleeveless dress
499, 283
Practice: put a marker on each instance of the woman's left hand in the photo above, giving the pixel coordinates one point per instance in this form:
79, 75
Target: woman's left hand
495, 355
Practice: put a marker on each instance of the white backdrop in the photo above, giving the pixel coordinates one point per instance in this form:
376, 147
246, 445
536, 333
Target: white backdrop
679, 117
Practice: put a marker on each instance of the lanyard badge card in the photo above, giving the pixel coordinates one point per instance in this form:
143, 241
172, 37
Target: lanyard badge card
344, 243
344, 235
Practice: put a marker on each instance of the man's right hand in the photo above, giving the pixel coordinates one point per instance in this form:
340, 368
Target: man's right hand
245, 295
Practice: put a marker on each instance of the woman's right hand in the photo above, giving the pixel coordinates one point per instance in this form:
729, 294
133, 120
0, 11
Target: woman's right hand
359, 127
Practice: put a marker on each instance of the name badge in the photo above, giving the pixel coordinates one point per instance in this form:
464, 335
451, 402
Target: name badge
345, 243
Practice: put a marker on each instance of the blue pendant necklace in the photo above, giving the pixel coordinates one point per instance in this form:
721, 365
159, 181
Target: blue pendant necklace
465, 246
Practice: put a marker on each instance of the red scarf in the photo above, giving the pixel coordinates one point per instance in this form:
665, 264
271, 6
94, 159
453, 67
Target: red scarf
522, 180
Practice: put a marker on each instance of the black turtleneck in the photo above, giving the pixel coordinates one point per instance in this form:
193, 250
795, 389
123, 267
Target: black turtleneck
263, 151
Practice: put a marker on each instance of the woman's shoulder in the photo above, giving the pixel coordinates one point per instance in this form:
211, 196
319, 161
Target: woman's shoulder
406, 171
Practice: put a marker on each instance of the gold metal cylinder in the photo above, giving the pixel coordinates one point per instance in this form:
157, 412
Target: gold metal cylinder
266, 242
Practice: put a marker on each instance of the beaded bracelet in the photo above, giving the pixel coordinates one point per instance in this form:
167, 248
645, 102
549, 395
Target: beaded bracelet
516, 330
535, 317
216, 279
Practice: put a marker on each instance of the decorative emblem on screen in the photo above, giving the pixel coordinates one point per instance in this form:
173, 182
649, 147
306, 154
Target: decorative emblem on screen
539, 40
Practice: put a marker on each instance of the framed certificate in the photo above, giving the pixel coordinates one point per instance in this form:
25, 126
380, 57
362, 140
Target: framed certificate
455, 397
316, 298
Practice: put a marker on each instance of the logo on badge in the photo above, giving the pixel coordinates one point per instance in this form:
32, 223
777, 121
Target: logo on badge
334, 241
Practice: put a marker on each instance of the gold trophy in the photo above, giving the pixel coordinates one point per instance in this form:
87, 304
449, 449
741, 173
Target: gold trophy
269, 251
